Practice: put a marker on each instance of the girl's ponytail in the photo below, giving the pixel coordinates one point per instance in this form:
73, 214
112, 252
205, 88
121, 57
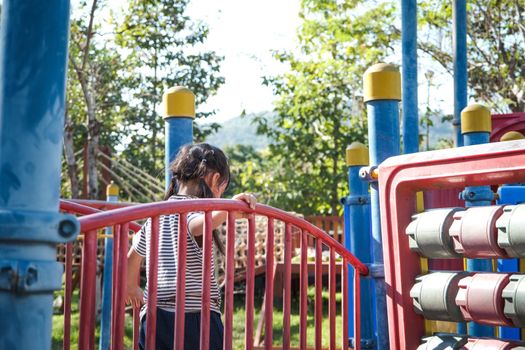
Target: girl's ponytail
193, 163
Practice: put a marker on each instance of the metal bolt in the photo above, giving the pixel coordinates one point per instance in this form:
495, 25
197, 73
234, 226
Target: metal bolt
31, 275
67, 228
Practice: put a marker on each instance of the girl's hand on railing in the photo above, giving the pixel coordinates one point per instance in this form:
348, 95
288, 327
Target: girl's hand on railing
134, 296
248, 198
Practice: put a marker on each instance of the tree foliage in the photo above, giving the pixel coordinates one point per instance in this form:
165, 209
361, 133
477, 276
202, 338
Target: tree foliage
319, 101
162, 50
496, 47
94, 99
117, 72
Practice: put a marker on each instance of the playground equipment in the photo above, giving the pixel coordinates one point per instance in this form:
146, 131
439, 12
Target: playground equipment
400, 178
122, 221
402, 238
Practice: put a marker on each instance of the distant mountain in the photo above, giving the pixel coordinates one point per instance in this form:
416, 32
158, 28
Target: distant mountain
239, 131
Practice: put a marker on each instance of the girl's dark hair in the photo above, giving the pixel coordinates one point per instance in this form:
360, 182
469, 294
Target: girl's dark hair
194, 163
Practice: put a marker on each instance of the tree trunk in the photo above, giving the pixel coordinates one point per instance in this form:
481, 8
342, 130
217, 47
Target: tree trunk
92, 146
69, 153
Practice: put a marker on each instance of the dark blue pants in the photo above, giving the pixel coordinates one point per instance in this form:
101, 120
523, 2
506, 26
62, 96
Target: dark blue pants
192, 326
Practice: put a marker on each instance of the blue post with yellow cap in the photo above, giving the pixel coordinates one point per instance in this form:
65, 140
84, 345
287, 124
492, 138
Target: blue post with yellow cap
459, 24
179, 112
409, 72
33, 55
357, 238
112, 191
476, 125
382, 93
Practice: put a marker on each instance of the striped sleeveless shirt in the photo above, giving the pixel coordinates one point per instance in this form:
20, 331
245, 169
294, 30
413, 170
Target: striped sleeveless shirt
167, 264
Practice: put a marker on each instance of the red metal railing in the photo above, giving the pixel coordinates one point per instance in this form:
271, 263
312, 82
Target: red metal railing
122, 221
89, 254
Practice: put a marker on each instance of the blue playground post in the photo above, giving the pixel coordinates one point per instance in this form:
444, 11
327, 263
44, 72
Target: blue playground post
476, 125
382, 93
33, 55
357, 238
112, 191
179, 112
409, 76
459, 13
510, 194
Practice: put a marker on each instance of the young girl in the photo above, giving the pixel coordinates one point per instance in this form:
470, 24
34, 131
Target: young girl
199, 171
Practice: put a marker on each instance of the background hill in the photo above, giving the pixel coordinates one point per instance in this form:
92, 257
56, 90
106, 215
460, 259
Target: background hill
239, 131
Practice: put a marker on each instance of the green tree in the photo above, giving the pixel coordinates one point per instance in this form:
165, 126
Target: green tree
246, 167
94, 99
161, 46
496, 47
319, 106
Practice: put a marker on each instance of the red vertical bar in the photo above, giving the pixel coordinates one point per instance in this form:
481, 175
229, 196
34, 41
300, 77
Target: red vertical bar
230, 271
136, 324
120, 307
66, 344
151, 315
114, 280
357, 308
304, 286
250, 286
268, 312
344, 304
318, 314
332, 302
87, 291
206, 281
337, 237
182, 242
287, 296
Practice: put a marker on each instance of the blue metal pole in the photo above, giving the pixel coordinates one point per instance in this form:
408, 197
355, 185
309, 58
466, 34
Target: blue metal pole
510, 265
510, 194
459, 43
476, 125
459, 13
179, 104
382, 92
105, 321
358, 237
33, 54
409, 76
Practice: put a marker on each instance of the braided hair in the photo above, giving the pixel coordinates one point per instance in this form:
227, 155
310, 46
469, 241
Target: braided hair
193, 163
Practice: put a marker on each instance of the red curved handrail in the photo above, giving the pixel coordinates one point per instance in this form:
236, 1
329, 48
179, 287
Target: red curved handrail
113, 217
120, 220
77, 208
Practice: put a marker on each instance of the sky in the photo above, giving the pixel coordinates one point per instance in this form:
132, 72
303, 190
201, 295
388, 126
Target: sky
245, 32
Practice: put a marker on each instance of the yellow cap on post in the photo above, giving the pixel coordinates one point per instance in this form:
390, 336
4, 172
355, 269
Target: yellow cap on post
356, 154
112, 189
178, 102
476, 118
382, 81
511, 136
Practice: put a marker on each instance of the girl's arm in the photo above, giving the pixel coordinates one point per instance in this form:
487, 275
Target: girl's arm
134, 294
196, 226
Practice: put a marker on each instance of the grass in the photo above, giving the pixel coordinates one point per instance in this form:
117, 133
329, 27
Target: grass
240, 316
238, 323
